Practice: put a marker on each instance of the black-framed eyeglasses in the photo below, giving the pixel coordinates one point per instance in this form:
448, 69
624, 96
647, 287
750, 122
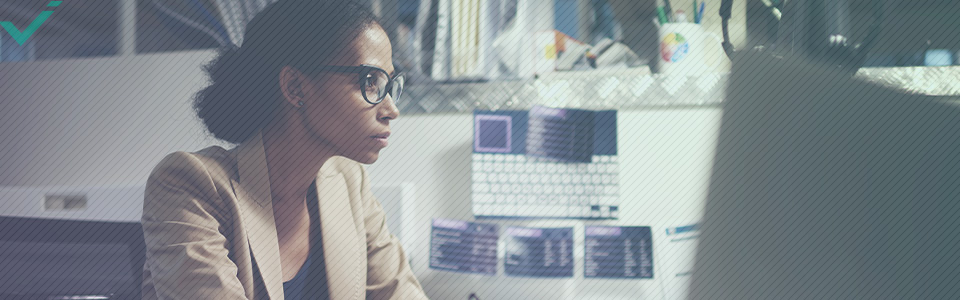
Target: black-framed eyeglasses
375, 83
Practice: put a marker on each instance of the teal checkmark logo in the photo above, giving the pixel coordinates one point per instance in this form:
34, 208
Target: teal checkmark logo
22, 36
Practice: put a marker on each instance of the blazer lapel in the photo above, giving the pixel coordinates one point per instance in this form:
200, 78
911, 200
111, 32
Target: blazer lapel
256, 204
343, 246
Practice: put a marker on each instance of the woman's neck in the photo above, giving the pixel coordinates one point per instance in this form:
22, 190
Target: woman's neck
293, 160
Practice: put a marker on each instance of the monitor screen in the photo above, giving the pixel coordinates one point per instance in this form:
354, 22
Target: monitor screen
829, 186
43, 258
32, 268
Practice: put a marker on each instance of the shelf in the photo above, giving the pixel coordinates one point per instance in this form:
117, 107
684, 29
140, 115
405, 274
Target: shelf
631, 89
157, 31
96, 28
74, 29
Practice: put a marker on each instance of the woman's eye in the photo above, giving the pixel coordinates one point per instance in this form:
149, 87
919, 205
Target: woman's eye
370, 84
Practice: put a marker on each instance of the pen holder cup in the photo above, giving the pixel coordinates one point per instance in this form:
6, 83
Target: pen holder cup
687, 49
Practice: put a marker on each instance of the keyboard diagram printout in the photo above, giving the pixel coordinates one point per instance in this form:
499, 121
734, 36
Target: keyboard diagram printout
539, 252
545, 163
462, 246
618, 252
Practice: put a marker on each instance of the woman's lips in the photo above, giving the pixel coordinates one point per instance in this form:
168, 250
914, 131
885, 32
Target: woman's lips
381, 139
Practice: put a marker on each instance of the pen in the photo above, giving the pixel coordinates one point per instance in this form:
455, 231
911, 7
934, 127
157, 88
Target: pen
683, 229
702, 6
668, 9
661, 15
696, 15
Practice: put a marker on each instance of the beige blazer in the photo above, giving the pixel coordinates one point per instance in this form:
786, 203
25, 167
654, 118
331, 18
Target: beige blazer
210, 233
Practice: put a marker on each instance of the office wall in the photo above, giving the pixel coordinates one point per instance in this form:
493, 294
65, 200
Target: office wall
93, 127
666, 156
101, 124
98, 121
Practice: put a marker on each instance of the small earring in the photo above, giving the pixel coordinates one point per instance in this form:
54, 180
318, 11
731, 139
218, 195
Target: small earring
299, 104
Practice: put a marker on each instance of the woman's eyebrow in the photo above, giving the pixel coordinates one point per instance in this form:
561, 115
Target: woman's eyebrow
391, 74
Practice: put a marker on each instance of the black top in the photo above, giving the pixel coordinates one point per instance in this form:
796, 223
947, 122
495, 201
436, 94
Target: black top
311, 281
293, 288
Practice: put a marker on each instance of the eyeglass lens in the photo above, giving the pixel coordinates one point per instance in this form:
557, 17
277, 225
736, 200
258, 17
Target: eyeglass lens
397, 88
376, 89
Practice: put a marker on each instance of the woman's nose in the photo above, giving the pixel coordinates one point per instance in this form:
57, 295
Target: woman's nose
388, 109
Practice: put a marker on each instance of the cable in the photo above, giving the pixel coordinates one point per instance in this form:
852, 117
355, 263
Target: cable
851, 57
871, 39
726, 11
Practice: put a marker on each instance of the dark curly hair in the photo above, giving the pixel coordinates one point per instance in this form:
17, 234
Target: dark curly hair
243, 95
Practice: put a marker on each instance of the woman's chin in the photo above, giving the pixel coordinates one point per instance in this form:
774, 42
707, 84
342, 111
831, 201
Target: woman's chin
366, 158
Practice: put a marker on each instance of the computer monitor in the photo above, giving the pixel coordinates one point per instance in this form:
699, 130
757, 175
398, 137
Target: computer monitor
826, 186
69, 259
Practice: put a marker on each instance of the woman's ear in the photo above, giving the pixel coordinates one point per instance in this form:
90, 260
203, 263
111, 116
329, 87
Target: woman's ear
291, 86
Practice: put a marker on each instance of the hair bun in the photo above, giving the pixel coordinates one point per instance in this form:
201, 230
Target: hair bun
235, 104
227, 58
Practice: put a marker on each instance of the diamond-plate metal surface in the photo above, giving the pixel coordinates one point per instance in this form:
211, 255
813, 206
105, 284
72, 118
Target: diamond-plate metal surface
936, 81
632, 90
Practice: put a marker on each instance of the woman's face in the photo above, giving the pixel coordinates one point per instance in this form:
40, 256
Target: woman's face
334, 107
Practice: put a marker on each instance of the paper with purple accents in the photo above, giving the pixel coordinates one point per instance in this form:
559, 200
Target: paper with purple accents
463, 246
539, 252
618, 252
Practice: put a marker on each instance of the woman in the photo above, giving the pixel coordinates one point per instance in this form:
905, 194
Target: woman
288, 212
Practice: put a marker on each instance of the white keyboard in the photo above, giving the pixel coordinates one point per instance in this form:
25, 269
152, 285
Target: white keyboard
512, 185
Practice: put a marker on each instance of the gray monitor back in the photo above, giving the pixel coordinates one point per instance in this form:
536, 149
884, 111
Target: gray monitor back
829, 187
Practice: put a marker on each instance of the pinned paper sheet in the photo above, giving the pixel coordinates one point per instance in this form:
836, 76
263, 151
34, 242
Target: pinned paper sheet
676, 255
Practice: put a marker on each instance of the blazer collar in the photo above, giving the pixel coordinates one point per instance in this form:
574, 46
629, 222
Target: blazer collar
256, 213
252, 165
343, 244
340, 237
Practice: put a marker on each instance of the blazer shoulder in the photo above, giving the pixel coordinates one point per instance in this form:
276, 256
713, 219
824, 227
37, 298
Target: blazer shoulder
215, 161
184, 177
